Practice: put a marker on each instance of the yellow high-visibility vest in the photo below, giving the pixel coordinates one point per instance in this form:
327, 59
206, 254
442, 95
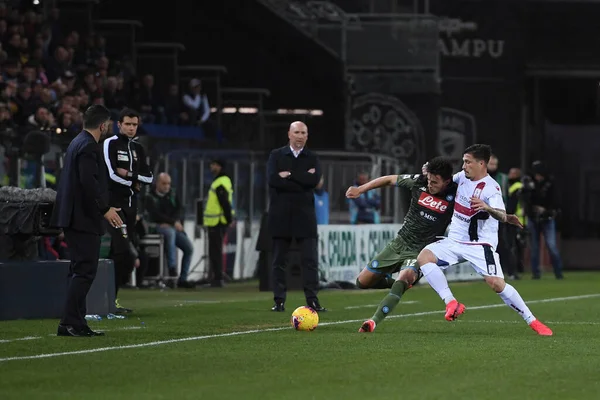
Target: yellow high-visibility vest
520, 211
213, 212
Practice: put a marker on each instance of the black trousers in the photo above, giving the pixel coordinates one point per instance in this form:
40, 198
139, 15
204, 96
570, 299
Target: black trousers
517, 246
215, 250
507, 258
121, 247
84, 249
310, 269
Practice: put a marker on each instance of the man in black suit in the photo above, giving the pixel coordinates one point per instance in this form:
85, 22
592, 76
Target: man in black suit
293, 173
81, 203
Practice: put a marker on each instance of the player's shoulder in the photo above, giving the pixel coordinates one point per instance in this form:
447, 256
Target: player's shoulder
413, 177
412, 181
491, 186
458, 177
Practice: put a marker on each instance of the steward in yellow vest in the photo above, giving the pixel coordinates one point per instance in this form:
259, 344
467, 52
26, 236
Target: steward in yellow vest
515, 201
218, 215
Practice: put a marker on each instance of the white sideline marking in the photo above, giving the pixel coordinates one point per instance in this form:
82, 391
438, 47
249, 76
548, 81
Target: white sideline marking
375, 305
220, 335
497, 321
19, 339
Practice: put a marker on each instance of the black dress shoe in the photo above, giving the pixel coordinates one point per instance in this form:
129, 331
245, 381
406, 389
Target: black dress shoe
186, 285
69, 330
279, 307
315, 305
218, 283
93, 333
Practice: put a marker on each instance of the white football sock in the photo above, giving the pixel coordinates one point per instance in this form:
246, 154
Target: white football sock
513, 299
437, 280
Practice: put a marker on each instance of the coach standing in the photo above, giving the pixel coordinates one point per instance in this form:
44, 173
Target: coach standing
293, 173
81, 203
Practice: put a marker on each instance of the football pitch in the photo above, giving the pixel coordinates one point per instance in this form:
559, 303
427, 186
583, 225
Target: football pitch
227, 344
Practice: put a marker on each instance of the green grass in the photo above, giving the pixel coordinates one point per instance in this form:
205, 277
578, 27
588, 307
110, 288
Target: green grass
489, 354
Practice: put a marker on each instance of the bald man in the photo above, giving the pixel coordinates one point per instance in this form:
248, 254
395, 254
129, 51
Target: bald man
293, 172
164, 210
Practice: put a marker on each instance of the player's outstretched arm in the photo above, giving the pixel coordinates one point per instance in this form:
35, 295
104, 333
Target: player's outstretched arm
389, 180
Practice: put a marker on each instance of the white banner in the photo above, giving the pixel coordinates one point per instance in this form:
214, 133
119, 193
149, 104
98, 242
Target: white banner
344, 250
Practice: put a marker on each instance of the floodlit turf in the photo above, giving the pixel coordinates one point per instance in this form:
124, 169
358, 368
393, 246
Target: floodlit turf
490, 353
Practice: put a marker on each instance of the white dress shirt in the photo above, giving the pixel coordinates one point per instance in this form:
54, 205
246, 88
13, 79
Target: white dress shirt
296, 153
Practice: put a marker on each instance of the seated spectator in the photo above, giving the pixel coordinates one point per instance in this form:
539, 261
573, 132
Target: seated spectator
174, 113
164, 210
149, 101
41, 120
196, 103
114, 99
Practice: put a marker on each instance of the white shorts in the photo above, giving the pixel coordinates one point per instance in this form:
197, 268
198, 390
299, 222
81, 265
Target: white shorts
484, 260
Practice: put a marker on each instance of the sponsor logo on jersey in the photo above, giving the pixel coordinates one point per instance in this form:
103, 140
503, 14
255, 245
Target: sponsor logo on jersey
433, 203
428, 216
461, 217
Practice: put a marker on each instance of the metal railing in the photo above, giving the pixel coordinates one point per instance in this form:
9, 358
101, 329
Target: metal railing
191, 179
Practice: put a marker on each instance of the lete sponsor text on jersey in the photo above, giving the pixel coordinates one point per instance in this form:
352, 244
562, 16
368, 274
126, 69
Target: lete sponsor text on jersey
433, 203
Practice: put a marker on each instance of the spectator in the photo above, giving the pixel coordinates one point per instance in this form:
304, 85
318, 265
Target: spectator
148, 100
196, 103
364, 209
113, 97
321, 203
174, 114
42, 119
164, 210
58, 64
541, 210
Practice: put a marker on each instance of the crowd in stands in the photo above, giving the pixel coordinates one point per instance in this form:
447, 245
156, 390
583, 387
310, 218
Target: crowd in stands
49, 76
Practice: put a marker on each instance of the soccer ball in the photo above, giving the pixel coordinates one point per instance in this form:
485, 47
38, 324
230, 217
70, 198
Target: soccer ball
305, 319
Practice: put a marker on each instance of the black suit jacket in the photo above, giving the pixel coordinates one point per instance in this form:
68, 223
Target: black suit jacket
292, 203
82, 195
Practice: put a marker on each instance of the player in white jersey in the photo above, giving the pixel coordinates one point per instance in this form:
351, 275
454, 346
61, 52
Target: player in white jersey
473, 237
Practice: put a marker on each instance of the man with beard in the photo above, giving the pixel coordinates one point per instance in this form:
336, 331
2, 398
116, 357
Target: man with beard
81, 204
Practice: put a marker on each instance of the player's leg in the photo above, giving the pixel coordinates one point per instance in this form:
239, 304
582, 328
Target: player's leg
485, 262
377, 274
409, 275
431, 260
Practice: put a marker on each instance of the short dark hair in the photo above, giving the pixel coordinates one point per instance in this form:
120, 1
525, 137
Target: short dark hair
440, 166
128, 112
480, 152
95, 116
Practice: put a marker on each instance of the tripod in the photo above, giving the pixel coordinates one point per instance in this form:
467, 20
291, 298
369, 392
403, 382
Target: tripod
204, 257
207, 275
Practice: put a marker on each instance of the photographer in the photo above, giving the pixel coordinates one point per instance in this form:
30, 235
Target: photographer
541, 210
